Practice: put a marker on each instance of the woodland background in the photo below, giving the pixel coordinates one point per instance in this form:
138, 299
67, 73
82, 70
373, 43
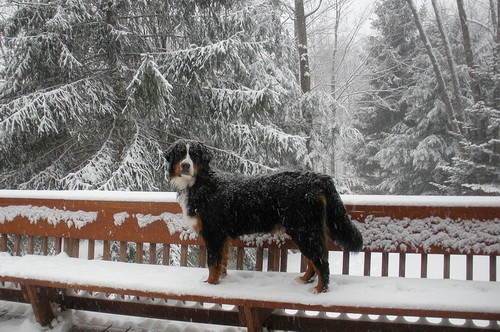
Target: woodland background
387, 96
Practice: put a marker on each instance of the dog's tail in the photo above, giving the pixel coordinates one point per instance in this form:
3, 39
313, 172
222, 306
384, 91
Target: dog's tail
342, 229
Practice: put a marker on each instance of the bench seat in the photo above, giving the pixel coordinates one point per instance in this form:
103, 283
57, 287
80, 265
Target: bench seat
252, 291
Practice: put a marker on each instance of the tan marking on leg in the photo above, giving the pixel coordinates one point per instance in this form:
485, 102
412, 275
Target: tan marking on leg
326, 231
213, 275
309, 274
226, 256
216, 272
198, 225
320, 287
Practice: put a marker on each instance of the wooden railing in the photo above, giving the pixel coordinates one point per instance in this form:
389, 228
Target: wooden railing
147, 228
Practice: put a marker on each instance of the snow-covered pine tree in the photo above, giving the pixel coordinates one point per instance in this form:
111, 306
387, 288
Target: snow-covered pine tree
403, 125
410, 147
95, 90
477, 171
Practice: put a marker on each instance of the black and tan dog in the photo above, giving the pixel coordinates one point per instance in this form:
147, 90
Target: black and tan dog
223, 206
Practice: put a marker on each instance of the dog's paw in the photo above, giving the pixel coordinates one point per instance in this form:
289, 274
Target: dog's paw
315, 290
212, 282
303, 281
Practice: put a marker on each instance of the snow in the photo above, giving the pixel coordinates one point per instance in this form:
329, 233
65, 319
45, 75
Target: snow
91, 195
377, 292
465, 236
53, 216
380, 233
119, 218
402, 200
492, 188
20, 318
141, 196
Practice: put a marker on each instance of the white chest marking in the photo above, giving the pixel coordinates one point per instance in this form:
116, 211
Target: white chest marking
190, 221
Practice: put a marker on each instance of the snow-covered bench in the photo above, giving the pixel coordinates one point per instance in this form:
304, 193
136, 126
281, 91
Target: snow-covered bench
256, 293
397, 231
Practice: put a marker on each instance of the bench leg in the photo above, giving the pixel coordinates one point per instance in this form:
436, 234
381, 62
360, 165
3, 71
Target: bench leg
254, 317
40, 304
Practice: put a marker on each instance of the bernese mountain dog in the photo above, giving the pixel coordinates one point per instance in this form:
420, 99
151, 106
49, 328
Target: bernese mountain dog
222, 206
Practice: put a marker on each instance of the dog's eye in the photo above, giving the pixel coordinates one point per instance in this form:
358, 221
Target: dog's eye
194, 155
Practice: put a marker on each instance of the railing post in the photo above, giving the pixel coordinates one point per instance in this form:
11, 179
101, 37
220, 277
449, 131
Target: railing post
493, 268
345, 262
152, 253
3, 242
423, 266
446, 266
385, 264
402, 264
367, 264
469, 265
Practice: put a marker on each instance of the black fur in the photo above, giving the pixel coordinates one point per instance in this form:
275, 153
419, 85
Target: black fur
305, 204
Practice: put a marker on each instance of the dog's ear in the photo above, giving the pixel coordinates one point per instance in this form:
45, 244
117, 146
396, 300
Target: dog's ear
206, 155
169, 154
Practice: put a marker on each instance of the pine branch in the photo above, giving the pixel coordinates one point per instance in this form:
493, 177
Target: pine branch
44, 111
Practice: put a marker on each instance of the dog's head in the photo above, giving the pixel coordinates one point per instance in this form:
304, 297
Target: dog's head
186, 159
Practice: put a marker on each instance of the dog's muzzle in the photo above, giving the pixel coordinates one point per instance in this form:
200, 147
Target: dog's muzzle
186, 169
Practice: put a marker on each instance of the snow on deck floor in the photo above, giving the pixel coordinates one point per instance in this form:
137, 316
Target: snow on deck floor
19, 317
265, 286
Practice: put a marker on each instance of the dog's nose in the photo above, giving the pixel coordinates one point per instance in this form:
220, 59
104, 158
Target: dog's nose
185, 168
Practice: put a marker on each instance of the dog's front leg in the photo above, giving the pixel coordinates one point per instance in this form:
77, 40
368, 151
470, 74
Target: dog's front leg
215, 256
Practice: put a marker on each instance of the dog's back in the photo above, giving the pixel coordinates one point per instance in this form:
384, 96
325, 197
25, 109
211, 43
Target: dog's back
291, 199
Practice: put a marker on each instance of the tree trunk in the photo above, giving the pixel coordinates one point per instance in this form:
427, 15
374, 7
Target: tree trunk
304, 73
469, 59
439, 76
333, 85
496, 57
301, 36
277, 23
116, 79
457, 101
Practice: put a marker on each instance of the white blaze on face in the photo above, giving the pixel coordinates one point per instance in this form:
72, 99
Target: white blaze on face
186, 177
187, 164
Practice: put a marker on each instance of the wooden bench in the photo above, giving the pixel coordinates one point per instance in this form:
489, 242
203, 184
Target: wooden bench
46, 224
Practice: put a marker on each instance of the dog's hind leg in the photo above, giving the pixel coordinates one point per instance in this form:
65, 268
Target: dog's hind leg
312, 245
226, 256
308, 275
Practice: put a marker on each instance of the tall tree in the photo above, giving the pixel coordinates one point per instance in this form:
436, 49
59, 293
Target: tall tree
457, 94
301, 37
496, 54
469, 57
437, 72
300, 31
95, 90
406, 132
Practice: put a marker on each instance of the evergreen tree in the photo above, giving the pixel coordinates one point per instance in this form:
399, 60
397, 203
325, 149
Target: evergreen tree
402, 124
477, 172
95, 90
410, 145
